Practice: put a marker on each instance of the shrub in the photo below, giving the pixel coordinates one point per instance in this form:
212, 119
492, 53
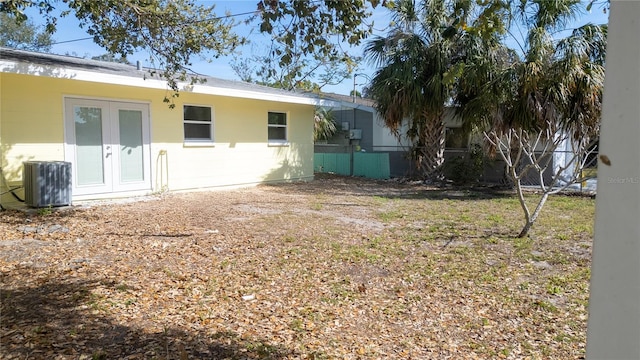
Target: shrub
465, 169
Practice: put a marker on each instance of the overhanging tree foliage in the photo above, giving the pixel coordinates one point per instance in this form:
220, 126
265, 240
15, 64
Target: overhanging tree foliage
307, 38
171, 32
307, 42
23, 35
306, 34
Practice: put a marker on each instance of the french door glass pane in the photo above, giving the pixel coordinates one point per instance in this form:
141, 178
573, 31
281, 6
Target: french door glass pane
131, 157
88, 128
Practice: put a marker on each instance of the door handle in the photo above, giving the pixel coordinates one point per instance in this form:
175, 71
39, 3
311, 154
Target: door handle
108, 151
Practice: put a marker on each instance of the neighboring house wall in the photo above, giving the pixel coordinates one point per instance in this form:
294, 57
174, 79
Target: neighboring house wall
32, 127
400, 163
376, 137
350, 119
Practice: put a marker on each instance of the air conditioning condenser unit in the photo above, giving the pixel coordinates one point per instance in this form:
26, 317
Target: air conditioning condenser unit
46, 183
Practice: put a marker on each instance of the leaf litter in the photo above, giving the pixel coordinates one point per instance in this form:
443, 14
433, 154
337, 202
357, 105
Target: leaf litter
337, 268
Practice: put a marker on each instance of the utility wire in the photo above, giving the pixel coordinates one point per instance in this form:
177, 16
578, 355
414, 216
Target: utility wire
68, 41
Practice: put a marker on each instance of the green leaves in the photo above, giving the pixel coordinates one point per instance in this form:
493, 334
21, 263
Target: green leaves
171, 32
18, 33
306, 34
324, 124
306, 37
416, 76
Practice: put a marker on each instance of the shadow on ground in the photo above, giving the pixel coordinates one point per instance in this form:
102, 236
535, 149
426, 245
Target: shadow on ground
330, 184
58, 320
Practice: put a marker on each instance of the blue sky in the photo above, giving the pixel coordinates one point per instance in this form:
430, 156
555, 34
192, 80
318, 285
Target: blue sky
68, 29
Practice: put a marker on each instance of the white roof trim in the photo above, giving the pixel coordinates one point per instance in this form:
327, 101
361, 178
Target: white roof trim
106, 78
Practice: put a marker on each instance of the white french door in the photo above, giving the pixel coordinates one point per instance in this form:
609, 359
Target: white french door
108, 145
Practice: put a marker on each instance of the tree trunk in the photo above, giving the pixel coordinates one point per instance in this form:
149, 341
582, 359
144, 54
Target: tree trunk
431, 151
531, 219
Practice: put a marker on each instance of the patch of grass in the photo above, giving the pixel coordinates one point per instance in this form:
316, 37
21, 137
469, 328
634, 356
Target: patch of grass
342, 291
559, 258
130, 301
262, 349
488, 277
318, 203
45, 211
99, 355
289, 239
496, 219
554, 289
96, 302
461, 250
297, 325
380, 199
358, 253
390, 215
545, 305
522, 245
424, 267
493, 240
375, 242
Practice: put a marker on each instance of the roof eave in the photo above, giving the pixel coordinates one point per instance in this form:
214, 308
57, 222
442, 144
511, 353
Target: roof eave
145, 81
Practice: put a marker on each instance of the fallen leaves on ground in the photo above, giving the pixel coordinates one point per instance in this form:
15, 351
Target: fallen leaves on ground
338, 268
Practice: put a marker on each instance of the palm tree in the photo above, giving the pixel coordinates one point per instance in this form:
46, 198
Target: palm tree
420, 62
547, 87
546, 83
410, 88
324, 124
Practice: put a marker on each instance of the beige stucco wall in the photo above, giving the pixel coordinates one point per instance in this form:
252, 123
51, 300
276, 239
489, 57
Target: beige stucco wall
32, 128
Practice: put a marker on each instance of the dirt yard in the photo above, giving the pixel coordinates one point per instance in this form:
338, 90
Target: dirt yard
338, 268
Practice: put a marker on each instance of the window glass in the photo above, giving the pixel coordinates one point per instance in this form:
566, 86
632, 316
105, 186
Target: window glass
456, 138
197, 131
199, 113
277, 118
277, 129
277, 133
198, 124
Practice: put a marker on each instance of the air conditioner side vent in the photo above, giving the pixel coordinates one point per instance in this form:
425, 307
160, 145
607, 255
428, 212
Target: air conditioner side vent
46, 183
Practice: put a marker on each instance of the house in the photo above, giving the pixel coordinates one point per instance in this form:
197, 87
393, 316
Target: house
361, 130
363, 146
110, 123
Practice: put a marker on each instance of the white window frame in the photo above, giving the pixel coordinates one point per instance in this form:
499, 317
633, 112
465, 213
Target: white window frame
284, 141
196, 142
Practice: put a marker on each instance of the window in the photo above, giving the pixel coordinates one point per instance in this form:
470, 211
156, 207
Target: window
198, 125
277, 127
456, 138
